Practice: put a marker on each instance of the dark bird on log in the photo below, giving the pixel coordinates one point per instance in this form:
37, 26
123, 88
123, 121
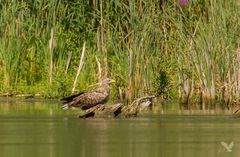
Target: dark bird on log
88, 99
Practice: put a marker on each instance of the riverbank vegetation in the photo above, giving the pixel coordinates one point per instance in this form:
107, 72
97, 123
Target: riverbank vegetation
191, 53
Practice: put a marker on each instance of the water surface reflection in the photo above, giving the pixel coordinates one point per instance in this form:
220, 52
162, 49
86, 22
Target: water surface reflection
43, 129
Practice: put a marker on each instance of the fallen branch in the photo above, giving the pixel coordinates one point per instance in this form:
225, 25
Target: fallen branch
102, 111
119, 110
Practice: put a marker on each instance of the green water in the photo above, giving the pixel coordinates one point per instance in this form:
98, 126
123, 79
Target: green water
42, 129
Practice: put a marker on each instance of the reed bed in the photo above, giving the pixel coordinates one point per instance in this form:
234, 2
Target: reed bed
196, 47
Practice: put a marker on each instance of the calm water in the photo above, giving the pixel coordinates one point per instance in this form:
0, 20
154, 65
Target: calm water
40, 129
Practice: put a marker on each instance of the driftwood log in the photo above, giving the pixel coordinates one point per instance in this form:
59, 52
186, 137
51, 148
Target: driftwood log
119, 110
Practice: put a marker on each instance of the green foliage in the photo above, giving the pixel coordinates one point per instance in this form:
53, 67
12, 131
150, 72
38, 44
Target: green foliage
170, 44
161, 83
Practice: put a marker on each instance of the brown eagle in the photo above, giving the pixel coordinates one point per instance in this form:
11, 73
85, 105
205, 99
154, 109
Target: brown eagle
91, 98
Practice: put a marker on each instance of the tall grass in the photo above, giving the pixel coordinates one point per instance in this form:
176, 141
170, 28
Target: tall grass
196, 46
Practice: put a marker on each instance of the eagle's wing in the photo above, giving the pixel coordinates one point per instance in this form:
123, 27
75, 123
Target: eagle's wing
71, 97
89, 99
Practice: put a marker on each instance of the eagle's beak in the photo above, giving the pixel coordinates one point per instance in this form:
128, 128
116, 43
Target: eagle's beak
112, 81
